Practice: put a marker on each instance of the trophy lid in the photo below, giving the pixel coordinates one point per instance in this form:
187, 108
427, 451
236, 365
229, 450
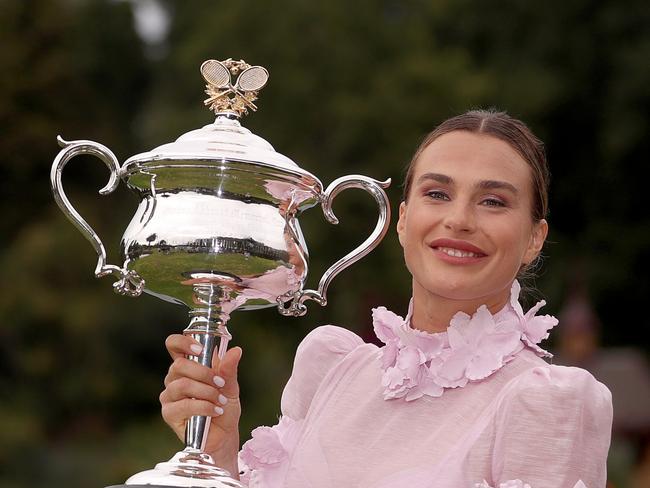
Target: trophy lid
225, 140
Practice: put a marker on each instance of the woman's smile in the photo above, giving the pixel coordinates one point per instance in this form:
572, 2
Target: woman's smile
456, 251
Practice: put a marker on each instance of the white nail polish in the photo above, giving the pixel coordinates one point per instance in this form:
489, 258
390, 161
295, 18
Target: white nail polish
196, 348
218, 410
219, 381
223, 400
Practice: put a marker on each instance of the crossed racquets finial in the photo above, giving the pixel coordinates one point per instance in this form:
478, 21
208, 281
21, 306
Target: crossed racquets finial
226, 97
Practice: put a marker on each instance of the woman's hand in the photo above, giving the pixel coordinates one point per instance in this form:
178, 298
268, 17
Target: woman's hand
193, 389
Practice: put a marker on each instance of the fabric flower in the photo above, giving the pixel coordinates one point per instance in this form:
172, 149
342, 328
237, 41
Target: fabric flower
417, 363
478, 347
425, 384
265, 456
264, 448
534, 329
383, 321
405, 357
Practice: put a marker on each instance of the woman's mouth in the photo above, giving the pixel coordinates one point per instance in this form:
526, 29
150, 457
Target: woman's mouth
453, 251
450, 251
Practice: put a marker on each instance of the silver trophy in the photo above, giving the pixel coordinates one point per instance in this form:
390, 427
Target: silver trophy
216, 230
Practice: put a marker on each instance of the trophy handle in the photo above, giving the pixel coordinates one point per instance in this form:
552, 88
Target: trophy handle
129, 283
376, 189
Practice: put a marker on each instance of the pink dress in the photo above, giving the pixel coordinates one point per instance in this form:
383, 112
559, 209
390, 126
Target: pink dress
473, 407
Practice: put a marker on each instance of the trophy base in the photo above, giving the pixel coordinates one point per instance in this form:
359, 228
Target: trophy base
188, 468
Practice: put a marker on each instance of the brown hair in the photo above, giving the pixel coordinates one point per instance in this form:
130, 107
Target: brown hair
508, 129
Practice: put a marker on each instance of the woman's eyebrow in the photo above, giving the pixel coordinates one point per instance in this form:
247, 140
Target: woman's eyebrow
497, 185
483, 184
440, 178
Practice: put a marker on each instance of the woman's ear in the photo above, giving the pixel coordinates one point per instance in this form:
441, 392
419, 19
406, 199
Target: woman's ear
537, 239
401, 223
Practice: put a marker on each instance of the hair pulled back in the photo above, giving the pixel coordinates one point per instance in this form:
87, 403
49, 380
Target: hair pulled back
508, 129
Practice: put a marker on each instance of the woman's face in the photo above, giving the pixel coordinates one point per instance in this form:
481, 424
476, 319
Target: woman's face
466, 228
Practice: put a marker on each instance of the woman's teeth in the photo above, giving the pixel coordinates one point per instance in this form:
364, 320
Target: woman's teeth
457, 252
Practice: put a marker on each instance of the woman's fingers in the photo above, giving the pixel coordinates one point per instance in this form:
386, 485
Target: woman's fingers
182, 388
179, 345
186, 377
186, 368
227, 370
177, 413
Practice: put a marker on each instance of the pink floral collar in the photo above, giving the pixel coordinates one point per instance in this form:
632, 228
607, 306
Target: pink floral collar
417, 363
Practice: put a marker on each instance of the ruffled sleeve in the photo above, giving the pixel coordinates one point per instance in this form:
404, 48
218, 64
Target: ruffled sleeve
553, 431
264, 459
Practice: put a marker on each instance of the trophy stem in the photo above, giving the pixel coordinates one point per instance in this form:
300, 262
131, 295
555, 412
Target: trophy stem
206, 327
192, 467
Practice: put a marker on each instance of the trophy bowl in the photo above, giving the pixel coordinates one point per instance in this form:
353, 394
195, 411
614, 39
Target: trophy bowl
216, 230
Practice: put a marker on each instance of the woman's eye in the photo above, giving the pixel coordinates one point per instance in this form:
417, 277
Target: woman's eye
437, 195
493, 202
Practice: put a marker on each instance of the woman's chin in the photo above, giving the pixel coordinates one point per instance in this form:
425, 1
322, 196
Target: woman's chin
474, 290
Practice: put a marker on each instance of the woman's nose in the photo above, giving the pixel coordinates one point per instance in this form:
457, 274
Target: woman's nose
460, 218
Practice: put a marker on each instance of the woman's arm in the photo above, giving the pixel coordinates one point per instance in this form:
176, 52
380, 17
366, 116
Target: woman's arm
266, 457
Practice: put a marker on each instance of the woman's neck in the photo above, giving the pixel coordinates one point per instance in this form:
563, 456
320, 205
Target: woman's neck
432, 313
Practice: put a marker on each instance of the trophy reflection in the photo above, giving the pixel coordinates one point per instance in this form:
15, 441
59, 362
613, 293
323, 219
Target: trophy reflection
216, 230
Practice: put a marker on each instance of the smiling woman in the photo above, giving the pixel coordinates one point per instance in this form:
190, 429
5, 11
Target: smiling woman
466, 225
459, 396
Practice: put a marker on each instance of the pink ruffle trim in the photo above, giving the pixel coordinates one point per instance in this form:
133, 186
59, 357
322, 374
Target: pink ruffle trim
417, 363
264, 458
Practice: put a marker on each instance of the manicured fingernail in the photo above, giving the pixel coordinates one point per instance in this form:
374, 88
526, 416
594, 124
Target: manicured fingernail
218, 410
219, 381
196, 348
223, 400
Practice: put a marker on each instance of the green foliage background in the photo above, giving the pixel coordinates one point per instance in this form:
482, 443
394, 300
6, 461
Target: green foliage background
353, 88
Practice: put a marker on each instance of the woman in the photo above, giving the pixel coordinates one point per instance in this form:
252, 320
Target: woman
459, 395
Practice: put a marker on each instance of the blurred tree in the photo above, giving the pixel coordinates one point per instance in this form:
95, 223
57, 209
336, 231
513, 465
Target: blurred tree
62, 71
76, 68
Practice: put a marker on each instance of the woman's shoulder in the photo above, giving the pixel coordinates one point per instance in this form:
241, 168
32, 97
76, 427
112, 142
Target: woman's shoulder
547, 390
318, 353
548, 418
568, 379
328, 342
